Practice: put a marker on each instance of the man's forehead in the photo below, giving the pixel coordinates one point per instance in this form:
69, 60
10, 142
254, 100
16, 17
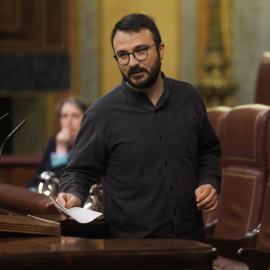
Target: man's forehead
126, 38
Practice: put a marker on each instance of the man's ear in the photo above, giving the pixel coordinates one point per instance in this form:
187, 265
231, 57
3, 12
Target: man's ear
161, 50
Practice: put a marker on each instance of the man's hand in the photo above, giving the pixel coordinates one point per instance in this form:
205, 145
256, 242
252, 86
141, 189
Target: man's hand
206, 198
68, 200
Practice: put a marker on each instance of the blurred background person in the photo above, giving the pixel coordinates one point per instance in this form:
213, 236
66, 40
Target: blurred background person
60, 147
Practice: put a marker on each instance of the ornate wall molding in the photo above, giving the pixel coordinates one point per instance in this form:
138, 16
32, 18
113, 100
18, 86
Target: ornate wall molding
217, 84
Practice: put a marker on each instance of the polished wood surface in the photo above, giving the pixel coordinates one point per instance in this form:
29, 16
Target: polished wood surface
84, 246
42, 225
79, 253
24, 201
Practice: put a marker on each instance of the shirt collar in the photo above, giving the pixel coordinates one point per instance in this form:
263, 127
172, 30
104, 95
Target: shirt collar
140, 95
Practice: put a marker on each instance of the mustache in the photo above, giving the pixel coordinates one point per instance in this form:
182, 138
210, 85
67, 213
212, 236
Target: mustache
136, 70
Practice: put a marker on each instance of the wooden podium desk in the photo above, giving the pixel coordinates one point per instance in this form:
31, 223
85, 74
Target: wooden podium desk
63, 252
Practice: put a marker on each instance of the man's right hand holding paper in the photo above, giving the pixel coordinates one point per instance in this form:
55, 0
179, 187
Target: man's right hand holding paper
68, 201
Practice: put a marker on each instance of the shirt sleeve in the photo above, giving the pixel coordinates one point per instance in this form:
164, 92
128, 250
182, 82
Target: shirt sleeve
209, 171
87, 162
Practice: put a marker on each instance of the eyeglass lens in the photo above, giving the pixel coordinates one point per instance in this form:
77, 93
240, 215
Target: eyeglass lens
140, 55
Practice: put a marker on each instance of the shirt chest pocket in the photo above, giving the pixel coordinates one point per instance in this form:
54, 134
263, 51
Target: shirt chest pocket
181, 138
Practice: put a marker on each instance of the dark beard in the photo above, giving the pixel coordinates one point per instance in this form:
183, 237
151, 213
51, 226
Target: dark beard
149, 81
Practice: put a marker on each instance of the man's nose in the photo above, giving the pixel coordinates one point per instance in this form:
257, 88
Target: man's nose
133, 61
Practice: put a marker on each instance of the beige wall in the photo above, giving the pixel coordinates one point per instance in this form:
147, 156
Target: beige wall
166, 15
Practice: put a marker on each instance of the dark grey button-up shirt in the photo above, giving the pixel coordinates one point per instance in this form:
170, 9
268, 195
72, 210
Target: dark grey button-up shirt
152, 159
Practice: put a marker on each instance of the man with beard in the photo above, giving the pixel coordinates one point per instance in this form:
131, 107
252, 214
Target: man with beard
151, 140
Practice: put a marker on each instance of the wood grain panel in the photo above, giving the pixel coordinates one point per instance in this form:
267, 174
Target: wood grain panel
33, 25
10, 18
19, 28
54, 24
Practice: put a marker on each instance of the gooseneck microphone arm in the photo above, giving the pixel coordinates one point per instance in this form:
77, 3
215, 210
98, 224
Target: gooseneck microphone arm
10, 134
4, 116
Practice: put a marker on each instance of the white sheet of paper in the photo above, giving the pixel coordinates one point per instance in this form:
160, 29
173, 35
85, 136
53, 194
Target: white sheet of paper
82, 215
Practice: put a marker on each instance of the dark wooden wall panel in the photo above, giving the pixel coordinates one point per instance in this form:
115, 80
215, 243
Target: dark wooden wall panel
17, 170
20, 33
35, 68
33, 25
9, 16
54, 22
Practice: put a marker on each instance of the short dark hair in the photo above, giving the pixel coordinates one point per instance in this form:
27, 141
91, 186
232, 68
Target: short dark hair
80, 104
135, 22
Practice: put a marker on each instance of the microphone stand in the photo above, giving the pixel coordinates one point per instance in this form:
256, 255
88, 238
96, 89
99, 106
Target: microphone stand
4, 116
10, 134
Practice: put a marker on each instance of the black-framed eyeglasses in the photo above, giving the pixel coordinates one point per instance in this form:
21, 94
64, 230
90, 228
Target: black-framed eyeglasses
139, 54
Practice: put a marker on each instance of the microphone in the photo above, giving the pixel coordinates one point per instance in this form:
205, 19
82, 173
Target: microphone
4, 116
10, 134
